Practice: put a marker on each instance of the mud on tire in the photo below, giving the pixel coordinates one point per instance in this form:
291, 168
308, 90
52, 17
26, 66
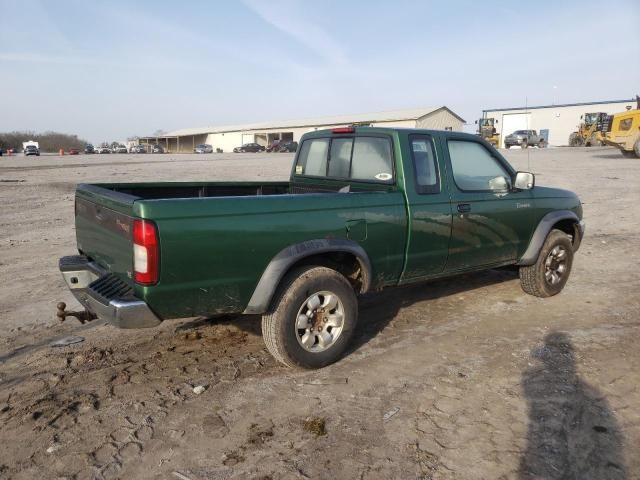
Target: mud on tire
549, 274
311, 319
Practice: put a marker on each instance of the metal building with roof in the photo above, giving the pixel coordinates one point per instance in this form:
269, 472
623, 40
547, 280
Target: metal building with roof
554, 122
228, 137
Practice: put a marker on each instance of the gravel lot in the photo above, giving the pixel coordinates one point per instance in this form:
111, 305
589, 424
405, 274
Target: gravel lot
467, 378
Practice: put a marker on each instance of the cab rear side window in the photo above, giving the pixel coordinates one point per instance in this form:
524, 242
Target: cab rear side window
361, 158
425, 166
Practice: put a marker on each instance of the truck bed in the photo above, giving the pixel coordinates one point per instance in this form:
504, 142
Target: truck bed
216, 238
172, 190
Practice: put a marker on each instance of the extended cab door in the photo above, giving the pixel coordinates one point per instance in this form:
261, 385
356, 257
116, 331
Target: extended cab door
428, 207
490, 219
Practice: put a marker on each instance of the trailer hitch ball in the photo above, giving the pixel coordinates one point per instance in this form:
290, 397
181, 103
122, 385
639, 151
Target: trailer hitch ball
82, 316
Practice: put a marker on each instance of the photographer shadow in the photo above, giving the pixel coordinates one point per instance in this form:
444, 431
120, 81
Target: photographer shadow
573, 434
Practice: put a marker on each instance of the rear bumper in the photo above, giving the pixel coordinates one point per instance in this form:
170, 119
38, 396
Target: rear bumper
104, 295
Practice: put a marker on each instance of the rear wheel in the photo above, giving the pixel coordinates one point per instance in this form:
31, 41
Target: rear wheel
548, 276
312, 318
541, 144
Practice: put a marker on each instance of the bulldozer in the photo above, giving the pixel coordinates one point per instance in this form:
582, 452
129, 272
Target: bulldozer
487, 130
590, 131
623, 131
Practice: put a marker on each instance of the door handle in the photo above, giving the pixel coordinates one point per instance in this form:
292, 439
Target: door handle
464, 207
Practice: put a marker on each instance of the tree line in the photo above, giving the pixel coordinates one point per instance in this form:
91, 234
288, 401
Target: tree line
49, 141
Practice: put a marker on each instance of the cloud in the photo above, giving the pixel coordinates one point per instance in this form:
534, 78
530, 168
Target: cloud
285, 16
28, 57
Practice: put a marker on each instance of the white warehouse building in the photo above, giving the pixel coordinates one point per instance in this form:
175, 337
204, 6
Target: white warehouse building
554, 122
227, 138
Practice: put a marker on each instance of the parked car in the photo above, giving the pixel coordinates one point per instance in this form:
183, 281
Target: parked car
104, 150
249, 147
138, 149
273, 146
203, 148
524, 138
169, 250
157, 149
120, 149
73, 151
288, 147
89, 149
31, 150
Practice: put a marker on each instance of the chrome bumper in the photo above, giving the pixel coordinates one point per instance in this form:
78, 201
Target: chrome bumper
122, 310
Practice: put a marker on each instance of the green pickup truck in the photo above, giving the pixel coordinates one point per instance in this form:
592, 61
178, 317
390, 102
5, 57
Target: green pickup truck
365, 208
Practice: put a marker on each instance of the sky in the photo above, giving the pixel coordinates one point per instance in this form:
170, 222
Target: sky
108, 70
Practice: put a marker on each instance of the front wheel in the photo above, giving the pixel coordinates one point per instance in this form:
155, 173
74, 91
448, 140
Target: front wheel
524, 144
548, 276
312, 318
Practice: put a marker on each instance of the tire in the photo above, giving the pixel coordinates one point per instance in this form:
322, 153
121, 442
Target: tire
541, 144
283, 332
573, 139
636, 148
507, 146
548, 276
524, 144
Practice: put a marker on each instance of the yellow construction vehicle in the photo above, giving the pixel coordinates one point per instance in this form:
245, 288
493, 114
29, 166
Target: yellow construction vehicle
589, 131
487, 130
623, 131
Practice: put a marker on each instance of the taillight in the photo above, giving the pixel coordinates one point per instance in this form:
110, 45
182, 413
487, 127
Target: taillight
146, 252
343, 130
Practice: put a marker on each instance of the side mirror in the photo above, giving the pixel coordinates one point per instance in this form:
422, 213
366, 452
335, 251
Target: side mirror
524, 181
476, 122
496, 121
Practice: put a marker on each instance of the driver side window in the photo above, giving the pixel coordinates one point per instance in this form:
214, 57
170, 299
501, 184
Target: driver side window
475, 169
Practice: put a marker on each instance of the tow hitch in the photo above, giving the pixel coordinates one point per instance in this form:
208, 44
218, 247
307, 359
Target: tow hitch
83, 316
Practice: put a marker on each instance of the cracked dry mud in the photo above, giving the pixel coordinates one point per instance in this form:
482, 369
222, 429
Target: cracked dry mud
485, 381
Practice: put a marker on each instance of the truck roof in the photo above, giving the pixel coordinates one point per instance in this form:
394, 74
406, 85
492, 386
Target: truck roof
361, 130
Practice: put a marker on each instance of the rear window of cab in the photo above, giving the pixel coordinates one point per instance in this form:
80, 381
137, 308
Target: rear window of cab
361, 158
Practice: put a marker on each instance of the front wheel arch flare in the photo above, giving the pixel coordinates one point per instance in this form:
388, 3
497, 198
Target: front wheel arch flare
564, 220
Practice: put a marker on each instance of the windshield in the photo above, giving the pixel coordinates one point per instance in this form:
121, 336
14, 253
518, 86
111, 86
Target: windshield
520, 132
591, 118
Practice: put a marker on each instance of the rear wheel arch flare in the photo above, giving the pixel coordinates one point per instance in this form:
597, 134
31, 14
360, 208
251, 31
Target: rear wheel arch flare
345, 256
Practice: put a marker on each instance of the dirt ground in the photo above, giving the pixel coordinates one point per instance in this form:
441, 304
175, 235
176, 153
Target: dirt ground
466, 378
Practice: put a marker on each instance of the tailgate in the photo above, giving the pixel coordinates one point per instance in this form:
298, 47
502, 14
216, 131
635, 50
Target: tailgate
104, 227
